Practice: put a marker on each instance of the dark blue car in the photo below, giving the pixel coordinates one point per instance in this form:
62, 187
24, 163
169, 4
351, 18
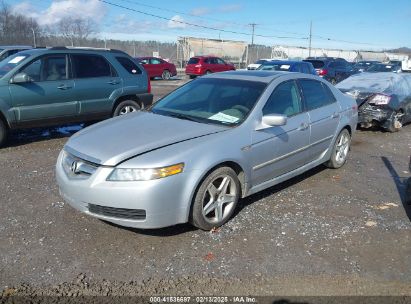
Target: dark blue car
288, 66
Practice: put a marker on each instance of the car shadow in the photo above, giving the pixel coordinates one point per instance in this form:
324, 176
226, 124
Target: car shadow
277, 188
403, 186
185, 228
26, 136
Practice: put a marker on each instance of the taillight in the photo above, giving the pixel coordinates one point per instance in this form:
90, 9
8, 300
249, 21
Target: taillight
322, 72
148, 85
380, 99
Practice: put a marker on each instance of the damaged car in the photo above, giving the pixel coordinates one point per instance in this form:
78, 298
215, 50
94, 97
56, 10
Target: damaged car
383, 99
199, 149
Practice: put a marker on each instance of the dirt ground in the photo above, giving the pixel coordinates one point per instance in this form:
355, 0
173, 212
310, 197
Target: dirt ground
328, 232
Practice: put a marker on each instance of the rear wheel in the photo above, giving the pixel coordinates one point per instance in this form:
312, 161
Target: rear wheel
216, 199
395, 122
166, 75
208, 72
340, 150
192, 76
333, 81
3, 133
126, 107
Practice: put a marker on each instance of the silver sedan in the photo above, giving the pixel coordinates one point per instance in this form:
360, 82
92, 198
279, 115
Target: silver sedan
198, 150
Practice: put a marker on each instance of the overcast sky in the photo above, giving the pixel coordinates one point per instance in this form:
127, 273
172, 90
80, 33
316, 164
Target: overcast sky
348, 24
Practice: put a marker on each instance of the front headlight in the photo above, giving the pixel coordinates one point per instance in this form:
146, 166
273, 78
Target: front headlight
121, 174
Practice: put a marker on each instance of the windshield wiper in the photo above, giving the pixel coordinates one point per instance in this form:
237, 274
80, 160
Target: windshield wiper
186, 117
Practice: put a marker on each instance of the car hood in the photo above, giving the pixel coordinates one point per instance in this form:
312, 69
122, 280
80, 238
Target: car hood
115, 140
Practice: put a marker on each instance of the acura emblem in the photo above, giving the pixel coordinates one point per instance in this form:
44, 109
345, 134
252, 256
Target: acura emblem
74, 167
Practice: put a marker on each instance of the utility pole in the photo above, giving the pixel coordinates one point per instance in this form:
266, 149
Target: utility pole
34, 37
311, 34
252, 36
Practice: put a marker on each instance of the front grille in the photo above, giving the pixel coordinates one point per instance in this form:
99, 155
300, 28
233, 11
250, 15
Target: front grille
76, 167
121, 213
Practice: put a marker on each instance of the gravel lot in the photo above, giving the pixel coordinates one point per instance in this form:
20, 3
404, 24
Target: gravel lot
329, 232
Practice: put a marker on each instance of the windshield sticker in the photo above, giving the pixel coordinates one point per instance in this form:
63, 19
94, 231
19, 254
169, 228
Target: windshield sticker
285, 67
17, 59
224, 117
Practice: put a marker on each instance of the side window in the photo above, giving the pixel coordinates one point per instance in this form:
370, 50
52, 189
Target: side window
47, 68
305, 68
90, 66
315, 95
128, 65
330, 94
333, 64
155, 61
220, 61
284, 100
144, 61
213, 61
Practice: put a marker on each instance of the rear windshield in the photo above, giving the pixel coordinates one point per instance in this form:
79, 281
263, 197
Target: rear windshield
193, 60
275, 67
8, 64
318, 64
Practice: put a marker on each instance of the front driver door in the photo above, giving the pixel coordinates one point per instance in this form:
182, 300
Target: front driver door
281, 149
50, 93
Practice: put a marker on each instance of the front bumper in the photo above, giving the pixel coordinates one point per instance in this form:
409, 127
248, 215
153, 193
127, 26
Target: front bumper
162, 201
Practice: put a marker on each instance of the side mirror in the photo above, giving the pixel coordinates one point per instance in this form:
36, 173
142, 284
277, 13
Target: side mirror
21, 78
272, 120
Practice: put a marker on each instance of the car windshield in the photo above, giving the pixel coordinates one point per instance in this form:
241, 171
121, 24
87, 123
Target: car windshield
318, 64
12, 61
275, 66
261, 61
213, 100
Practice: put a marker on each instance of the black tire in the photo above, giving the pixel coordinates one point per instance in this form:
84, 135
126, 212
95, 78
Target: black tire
336, 161
198, 218
192, 76
333, 81
208, 72
394, 123
166, 75
3, 133
125, 107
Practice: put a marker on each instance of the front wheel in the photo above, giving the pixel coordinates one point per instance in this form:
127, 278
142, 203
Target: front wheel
340, 150
216, 199
3, 133
126, 107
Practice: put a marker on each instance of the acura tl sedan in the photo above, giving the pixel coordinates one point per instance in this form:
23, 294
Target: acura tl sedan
198, 150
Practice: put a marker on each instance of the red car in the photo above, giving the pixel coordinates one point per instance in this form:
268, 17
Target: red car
201, 65
157, 67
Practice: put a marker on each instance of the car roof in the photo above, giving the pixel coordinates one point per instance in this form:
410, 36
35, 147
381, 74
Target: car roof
284, 62
68, 49
256, 75
14, 47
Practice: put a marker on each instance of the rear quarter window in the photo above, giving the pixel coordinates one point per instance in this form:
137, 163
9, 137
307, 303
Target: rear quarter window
129, 65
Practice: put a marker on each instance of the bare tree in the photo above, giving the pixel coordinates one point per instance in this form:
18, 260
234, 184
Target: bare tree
76, 30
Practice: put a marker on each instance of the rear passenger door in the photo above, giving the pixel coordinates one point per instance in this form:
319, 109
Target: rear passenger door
95, 81
324, 115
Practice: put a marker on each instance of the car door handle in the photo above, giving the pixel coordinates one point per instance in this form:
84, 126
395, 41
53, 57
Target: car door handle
63, 87
335, 115
113, 82
303, 126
